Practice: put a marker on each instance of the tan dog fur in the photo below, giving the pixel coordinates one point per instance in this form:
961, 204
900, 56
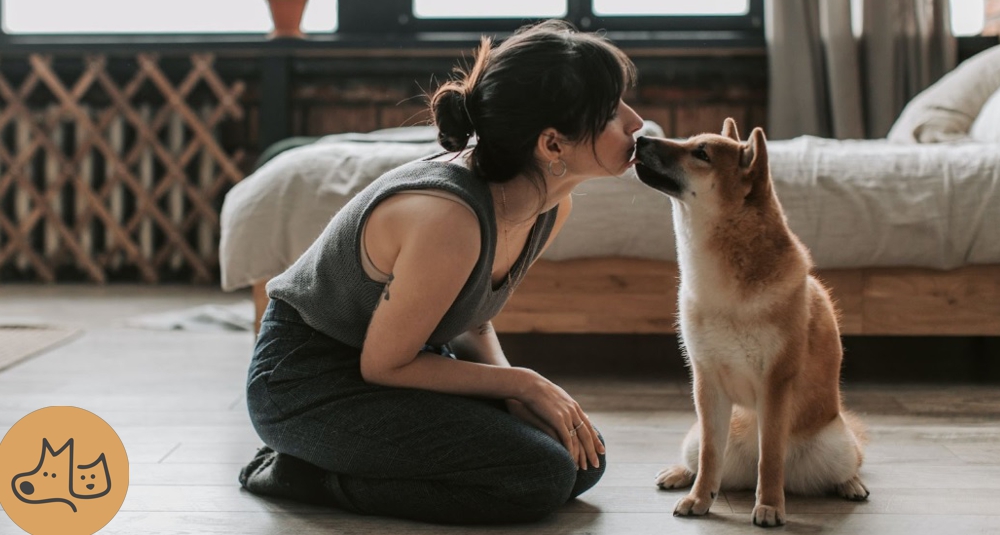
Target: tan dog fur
759, 331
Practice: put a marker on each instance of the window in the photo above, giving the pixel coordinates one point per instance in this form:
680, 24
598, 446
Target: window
464, 9
666, 7
143, 16
967, 17
743, 19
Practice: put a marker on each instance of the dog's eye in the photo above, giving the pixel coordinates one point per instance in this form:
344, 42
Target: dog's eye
700, 154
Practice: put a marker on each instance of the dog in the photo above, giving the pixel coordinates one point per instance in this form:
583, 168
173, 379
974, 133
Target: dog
759, 333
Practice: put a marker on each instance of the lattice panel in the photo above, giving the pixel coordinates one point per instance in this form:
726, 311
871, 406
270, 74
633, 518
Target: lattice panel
111, 176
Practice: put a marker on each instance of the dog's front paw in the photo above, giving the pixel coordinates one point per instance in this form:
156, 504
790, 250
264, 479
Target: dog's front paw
675, 477
853, 489
767, 516
692, 505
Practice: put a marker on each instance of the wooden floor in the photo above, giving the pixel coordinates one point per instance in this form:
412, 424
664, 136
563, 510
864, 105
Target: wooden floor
175, 399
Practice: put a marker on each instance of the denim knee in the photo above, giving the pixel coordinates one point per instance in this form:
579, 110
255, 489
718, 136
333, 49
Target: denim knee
535, 490
586, 479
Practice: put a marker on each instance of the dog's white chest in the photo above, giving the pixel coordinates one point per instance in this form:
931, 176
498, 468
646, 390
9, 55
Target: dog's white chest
736, 354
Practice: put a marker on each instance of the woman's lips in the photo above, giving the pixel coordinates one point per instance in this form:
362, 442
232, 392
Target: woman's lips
630, 156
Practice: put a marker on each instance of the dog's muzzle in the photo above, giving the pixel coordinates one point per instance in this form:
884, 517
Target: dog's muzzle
652, 169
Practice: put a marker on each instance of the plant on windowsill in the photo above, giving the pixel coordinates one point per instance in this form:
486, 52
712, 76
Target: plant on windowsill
287, 18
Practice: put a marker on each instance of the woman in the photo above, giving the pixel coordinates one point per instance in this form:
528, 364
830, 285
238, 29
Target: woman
377, 381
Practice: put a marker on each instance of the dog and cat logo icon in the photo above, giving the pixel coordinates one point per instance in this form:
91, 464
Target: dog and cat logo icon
30, 487
63, 470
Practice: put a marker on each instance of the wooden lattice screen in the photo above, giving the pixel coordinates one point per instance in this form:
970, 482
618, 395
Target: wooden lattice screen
100, 181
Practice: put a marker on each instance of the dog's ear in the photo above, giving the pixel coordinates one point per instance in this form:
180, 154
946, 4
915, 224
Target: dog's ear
729, 129
753, 161
754, 153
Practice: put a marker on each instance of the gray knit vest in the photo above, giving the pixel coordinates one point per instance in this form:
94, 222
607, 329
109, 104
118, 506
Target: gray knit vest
333, 294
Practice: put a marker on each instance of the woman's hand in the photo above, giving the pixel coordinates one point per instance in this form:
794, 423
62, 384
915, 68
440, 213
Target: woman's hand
563, 416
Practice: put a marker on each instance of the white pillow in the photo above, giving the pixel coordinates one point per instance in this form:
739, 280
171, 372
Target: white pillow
987, 125
945, 110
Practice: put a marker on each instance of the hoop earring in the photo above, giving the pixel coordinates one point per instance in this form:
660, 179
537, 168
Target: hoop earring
561, 173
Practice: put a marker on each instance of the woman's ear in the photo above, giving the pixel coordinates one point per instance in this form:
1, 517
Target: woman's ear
551, 145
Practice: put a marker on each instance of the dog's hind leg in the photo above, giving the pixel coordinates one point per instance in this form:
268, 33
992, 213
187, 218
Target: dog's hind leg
828, 461
681, 476
853, 489
677, 476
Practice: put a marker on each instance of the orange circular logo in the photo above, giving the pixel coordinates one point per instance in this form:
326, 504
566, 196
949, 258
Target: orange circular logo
63, 471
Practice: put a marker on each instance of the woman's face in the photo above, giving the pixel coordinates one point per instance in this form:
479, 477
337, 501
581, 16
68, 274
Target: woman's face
611, 152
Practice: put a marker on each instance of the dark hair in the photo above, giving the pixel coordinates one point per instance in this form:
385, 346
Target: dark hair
546, 75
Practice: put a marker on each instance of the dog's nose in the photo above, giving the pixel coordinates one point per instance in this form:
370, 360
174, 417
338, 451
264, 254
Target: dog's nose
643, 140
90, 486
27, 488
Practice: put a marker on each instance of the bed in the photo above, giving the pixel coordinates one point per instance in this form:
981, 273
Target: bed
904, 230
906, 235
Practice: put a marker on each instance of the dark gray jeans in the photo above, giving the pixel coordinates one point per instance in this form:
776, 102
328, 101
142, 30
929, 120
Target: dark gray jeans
401, 452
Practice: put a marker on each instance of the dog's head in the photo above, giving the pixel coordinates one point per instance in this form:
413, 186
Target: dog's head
50, 480
715, 171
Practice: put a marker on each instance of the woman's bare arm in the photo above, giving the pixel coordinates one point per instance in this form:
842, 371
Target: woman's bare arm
438, 246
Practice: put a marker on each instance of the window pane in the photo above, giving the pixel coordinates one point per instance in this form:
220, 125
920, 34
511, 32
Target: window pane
466, 9
141, 16
671, 7
320, 16
967, 17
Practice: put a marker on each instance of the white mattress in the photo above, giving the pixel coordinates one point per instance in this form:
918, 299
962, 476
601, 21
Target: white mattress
853, 203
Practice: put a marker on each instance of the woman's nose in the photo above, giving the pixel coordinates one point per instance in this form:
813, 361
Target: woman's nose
636, 123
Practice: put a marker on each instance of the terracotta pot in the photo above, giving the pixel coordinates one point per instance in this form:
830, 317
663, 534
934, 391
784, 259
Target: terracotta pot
287, 16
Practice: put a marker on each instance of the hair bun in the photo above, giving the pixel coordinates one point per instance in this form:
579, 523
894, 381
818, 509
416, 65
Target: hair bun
451, 116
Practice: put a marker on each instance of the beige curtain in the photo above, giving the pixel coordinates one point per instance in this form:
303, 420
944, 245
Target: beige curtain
825, 81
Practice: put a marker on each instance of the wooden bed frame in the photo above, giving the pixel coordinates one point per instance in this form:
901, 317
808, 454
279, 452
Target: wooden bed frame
624, 295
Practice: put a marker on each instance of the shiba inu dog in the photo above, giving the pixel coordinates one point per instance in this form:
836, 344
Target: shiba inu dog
759, 332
